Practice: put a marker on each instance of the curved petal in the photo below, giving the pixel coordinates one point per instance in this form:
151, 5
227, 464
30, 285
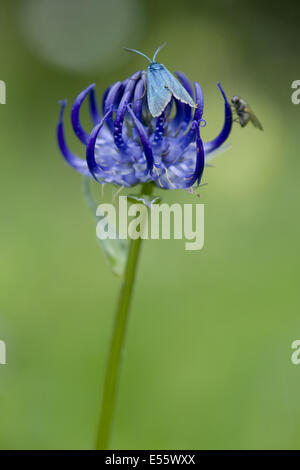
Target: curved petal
139, 93
220, 139
174, 124
183, 111
179, 176
76, 162
94, 108
79, 131
160, 128
93, 166
103, 101
122, 108
113, 96
199, 159
143, 138
187, 110
190, 135
199, 101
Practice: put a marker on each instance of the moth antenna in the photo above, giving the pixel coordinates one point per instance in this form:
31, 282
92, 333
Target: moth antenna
137, 52
157, 51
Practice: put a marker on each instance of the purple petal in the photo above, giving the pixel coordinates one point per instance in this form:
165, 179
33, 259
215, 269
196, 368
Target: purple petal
76, 162
112, 99
196, 176
187, 111
160, 128
220, 139
199, 101
112, 95
200, 157
104, 96
190, 135
144, 139
122, 108
183, 111
79, 131
174, 124
94, 108
139, 93
90, 149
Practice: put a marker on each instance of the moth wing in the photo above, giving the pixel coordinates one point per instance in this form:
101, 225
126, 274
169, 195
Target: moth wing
177, 90
255, 121
158, 96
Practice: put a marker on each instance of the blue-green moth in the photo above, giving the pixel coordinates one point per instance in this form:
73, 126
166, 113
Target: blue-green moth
162, 85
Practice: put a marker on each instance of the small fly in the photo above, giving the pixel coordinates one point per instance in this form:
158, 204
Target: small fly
244, 113
162, 85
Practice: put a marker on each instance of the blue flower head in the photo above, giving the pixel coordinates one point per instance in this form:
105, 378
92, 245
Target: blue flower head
127, 146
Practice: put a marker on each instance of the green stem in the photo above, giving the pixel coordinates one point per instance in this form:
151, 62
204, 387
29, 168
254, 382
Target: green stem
114, 359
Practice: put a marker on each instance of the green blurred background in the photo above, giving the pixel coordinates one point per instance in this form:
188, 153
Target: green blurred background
207, 361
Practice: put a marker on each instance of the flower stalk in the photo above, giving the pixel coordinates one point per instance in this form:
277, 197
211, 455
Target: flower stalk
128, 145
117, 342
